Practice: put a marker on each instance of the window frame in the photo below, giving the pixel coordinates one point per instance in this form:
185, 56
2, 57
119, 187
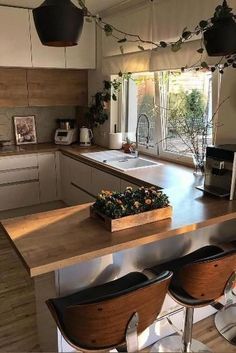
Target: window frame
158, 150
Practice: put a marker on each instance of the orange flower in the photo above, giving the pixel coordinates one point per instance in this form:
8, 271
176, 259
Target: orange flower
148, 202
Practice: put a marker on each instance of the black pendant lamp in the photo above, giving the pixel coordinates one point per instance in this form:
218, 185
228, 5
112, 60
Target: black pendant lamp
220, 39
59, 23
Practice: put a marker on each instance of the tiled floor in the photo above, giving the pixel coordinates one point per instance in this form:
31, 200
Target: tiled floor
18, 331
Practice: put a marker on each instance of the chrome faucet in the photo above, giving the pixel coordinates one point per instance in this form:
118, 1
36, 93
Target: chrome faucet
137, 129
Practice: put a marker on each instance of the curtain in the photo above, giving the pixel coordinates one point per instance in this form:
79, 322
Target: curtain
158, 20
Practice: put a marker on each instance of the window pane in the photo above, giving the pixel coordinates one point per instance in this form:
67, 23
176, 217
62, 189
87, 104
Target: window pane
141, 106
186, 110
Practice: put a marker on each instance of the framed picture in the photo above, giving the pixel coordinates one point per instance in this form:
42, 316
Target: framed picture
25, 129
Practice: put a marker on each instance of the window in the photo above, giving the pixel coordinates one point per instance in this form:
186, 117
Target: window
169, 107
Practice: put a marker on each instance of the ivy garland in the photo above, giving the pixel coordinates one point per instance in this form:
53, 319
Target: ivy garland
222, 12
116, 204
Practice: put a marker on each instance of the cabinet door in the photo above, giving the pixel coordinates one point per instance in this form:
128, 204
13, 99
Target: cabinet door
14, 37
13, 87
124, 184
103, 181
65, 178
83, 56
78, 196
47, 177
44, 56
19, 195
57, 87
81, 174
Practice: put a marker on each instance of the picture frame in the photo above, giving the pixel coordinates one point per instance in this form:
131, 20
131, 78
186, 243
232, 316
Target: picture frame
25, 130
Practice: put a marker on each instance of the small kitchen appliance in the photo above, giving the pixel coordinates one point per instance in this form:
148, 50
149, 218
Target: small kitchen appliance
86, 136
67, 133
220, 171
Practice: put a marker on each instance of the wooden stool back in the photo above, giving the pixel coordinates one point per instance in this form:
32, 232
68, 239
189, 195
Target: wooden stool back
207, 279
102, 325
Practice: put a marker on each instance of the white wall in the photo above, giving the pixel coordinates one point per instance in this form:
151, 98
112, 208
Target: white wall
226, 132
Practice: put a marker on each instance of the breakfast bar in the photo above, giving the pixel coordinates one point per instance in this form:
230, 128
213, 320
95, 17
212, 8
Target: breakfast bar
65, 250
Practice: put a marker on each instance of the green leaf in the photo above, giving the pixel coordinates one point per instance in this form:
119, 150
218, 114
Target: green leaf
200, 50
114, 97
163, 44
120, 74
122, 49
108, 30
82, 4
204, 65
123, 40
88, 19
141, 47
203, 24
176, 46
186, 34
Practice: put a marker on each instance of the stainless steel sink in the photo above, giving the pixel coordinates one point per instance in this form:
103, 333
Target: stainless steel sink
131, 163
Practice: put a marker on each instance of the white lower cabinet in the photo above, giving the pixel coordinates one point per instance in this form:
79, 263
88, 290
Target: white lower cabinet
78, 196
75, 181
124, 184
19, 195
27, 180
47, 177
103, 181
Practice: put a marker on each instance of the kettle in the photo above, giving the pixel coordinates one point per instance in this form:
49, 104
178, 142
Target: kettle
86, 136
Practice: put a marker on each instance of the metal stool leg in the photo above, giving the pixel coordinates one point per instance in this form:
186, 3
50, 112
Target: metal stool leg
176, 343
225, 319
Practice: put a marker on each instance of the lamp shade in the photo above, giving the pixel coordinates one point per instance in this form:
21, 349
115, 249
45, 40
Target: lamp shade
59, 23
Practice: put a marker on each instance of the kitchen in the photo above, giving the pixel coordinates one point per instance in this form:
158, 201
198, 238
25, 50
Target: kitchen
51, 162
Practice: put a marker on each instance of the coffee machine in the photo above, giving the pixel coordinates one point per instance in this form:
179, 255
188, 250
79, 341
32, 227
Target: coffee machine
220, 171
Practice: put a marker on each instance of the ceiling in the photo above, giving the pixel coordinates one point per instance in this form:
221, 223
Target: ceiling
93, 5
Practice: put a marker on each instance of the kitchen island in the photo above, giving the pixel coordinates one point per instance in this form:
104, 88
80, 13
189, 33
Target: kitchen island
65, 250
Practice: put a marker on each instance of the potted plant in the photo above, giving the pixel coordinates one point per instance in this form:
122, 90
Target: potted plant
220, 33
122, 210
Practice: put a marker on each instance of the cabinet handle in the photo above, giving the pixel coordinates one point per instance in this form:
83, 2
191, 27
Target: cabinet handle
81, 189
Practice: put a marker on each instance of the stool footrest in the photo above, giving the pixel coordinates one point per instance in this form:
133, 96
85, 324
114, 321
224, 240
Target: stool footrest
174, 343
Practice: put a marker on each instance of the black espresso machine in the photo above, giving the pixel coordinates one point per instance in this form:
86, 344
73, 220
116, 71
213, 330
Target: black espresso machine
220, 171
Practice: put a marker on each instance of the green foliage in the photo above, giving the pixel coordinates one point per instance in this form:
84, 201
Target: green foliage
116, 205
187, 111
97, 113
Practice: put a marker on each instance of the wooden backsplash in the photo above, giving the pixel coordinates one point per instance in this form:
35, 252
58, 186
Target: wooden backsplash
43, 87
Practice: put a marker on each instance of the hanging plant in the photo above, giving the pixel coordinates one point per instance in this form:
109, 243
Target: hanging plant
97, 113
220, 38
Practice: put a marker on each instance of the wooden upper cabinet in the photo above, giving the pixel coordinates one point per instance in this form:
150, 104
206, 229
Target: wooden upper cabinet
57, 87
83, 56
14, 37
13, 88
44, 56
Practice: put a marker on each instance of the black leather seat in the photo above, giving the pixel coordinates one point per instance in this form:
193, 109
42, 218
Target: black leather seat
94, 300
199, 279
207, 253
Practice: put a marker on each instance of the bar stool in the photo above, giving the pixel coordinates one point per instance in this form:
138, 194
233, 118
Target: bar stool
225, 318
199, 279
112, 314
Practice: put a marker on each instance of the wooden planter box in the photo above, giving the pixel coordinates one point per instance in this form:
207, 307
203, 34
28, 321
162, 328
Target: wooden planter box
114, 225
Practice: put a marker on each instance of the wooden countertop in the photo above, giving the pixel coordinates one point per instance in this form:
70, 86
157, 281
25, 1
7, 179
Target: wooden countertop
52, 240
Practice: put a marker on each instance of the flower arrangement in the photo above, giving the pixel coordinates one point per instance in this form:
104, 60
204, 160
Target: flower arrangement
130, 202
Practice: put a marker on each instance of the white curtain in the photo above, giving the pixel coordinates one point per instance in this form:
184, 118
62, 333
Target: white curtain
158, 20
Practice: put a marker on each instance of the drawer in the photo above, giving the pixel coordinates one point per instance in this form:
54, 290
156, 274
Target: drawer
79, 197
18, 162
103, 181
19, 195
81, 174
14, 176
